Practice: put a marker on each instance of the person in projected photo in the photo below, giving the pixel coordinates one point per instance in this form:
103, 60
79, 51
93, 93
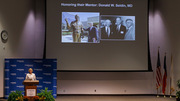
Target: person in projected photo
30, 75
106, 30
93, 32
119, 30
130, 35
77, 28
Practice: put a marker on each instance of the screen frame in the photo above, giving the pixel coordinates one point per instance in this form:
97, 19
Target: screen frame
148, 50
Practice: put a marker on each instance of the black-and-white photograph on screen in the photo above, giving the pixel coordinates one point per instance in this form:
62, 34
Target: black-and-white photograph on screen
80, 27
117, 27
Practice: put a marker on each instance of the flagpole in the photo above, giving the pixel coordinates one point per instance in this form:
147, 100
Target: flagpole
170, 88
164, 87
170, 81
157, 92
159, 84
171, 77
156, 74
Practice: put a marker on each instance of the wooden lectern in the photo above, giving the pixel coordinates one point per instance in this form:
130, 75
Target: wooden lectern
30, 87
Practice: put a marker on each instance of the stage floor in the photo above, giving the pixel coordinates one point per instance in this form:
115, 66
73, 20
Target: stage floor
111, 98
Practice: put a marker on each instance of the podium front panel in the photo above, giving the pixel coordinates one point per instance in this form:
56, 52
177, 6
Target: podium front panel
30, 91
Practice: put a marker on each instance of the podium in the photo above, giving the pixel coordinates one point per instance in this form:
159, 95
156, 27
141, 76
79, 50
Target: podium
30, 87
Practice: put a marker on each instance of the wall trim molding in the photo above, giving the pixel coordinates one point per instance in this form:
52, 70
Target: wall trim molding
104, 71
113, 95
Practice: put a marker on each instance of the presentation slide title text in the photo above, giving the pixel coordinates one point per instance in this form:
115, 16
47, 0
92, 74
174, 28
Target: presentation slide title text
96, 5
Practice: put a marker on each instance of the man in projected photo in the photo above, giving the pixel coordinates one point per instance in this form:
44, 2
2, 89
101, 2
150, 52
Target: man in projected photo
93, 32
119, 30
106, 30
130, 35
77, 28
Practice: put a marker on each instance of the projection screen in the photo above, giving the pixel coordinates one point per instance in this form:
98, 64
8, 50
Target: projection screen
97, 35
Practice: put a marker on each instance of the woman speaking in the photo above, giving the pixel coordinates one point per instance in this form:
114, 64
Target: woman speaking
30, 75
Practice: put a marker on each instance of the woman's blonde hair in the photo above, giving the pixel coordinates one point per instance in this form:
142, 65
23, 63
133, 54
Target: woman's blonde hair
30, 69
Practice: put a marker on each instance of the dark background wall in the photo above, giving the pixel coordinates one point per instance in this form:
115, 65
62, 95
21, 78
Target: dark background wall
25, 22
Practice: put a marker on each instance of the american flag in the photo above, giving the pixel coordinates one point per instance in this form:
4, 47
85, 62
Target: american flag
158, 73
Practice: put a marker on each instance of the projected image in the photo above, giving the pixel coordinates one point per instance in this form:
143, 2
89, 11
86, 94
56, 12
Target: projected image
117, 27
80, 27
